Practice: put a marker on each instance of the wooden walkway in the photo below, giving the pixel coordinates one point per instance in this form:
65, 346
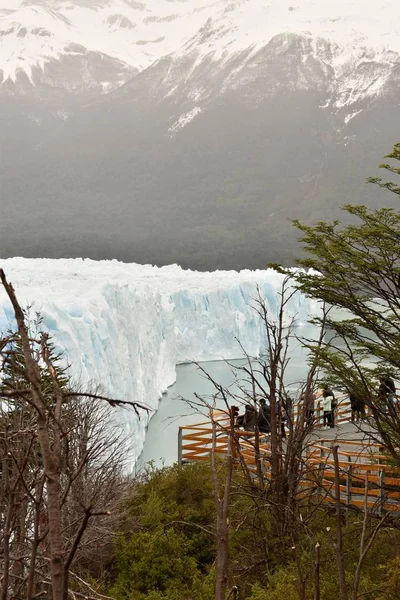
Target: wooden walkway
367, 479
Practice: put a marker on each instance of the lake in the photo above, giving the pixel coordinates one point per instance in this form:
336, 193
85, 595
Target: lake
161, 444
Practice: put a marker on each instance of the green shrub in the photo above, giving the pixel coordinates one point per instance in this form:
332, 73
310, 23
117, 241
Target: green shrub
166, 548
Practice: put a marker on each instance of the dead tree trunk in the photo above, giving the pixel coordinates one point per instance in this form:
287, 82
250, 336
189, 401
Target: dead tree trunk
222, 530
339, 533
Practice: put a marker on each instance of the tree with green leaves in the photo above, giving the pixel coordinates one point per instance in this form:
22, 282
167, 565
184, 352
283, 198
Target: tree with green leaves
356, 269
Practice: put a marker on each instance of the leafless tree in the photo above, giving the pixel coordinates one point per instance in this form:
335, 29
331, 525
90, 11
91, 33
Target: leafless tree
62, 468
266, 378
281, 467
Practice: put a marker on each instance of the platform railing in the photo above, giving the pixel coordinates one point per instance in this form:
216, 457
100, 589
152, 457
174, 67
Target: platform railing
367, 477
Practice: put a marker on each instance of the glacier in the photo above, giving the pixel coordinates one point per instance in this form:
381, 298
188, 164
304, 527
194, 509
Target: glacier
127, 326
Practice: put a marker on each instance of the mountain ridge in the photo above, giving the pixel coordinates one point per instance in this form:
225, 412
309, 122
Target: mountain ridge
203, 157
126, 32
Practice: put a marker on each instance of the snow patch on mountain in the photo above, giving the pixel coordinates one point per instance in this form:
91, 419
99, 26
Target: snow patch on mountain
184, 120
126, 326
351, 116
32, 33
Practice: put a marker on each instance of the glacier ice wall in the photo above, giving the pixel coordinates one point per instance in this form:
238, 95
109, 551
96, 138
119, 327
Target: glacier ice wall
126, 326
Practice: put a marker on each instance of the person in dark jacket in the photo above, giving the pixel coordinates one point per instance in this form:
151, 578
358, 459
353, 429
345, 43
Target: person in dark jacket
357, 406
308, 401
264, 417
250, 418
387, 394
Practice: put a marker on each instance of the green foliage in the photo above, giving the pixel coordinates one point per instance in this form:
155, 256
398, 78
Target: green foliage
391, 572
170, 549
280, 586
389, 185
351, 266
13, 367
154, 560
356, 269
164, 550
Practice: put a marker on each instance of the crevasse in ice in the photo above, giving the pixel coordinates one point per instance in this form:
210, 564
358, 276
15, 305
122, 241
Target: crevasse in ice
126, 326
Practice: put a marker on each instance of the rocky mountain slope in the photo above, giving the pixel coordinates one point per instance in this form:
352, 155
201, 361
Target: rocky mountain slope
243, 115
58, 55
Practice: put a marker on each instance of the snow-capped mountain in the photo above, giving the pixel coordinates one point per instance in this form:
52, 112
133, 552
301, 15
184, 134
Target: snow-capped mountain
57, 55
36, 33
208, 123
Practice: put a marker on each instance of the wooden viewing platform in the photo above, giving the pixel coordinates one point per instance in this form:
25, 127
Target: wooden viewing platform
367, 479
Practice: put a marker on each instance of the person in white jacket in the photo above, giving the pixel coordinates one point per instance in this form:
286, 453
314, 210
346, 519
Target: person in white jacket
327, 400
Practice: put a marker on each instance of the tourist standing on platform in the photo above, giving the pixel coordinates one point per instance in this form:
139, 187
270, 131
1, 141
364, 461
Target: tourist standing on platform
357, 408
264, 417
308, 401
250, 418
328, 406
326, 391
387, 394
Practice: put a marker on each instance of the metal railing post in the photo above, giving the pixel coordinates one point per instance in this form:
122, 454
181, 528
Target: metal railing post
322, 455
349, 482
180, 446
381, 492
